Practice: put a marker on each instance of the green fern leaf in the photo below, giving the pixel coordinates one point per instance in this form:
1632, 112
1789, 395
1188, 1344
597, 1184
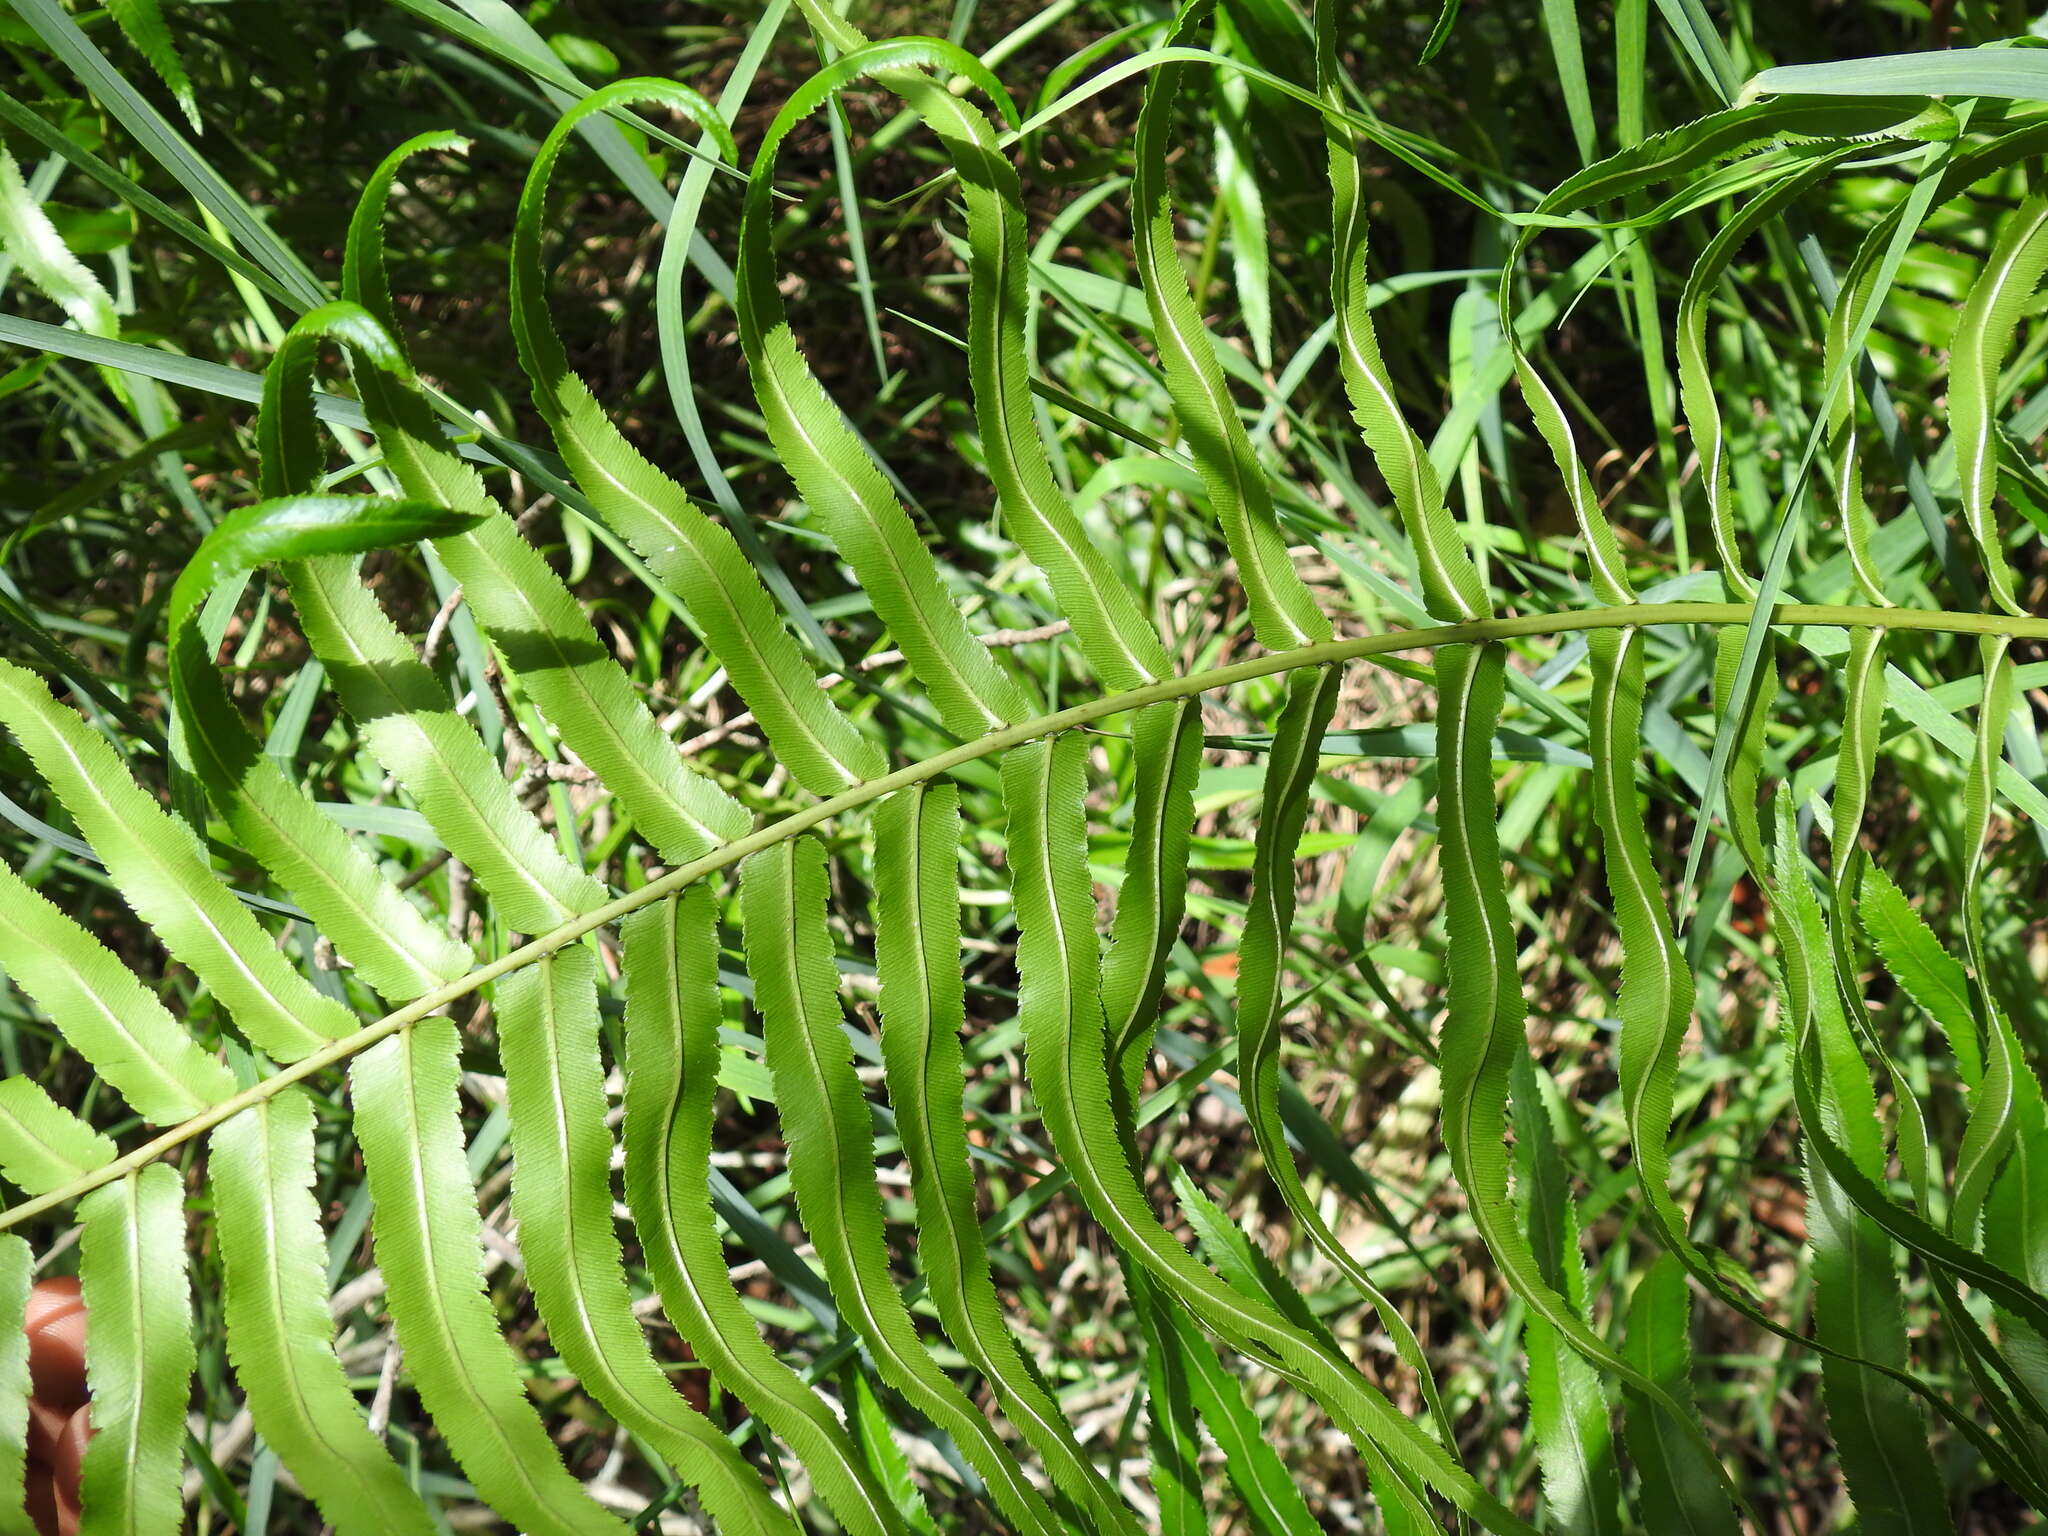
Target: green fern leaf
561, 1192
1984, 332
138, 1351
103, 1010
1065, 1038
1932, 977
278, 1331
28, 236
335, 880
831, 1153
679, 540
1107, 620
163, 874
1680, 1488
1451, 587
519, 601
1290, 770
17, 1278
1880, 1436
1284, 613
429, 1245
44, 1147
398, 704
917, 947
143, 23
1568, 1409
672, 1018
832, 471
1483, 1023
1166, 752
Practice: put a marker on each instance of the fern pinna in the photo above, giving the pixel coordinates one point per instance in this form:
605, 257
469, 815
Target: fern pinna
696, 859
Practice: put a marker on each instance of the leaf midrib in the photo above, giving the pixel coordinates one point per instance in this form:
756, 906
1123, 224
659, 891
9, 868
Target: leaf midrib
1646, 615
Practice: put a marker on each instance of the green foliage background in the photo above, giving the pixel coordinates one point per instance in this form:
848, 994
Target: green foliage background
1769, 875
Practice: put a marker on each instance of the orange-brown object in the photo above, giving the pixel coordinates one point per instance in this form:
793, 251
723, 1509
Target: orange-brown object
58, 1419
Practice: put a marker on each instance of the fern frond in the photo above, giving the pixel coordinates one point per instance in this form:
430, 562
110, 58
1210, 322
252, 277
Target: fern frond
164, 875
17, 1277
1984, 333
789, 954
104, 1010
672, 1018
279, 1335
1681, 1487
828, 463
680, 542
816, 1413
917, 947
1284, 613
429, 1246
139, 1352
43, 1146
333, 879
561, 1193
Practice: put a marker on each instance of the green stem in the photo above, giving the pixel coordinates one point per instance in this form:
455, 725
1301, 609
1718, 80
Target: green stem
1635, 615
